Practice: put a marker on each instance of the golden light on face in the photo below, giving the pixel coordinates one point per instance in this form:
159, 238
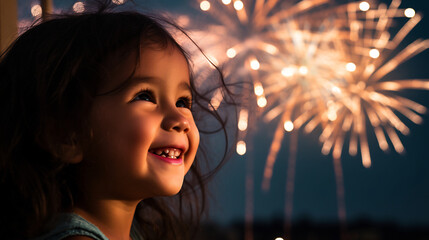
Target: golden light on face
144, 137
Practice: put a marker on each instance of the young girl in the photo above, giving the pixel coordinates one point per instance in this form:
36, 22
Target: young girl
97, 127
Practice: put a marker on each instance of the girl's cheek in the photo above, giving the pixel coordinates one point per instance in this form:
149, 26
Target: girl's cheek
141, 132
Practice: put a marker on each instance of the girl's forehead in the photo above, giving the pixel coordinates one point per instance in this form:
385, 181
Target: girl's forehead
168, 63
122, 66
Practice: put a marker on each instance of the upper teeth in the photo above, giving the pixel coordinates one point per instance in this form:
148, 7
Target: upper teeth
167, 152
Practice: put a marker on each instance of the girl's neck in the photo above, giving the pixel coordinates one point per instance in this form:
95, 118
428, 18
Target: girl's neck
113, 217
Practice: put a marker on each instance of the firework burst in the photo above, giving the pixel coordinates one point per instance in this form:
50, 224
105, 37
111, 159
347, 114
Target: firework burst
239, 37
332, 73
315, 65
369, 47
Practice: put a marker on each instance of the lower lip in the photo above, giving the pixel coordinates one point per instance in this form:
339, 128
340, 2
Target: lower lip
172, 161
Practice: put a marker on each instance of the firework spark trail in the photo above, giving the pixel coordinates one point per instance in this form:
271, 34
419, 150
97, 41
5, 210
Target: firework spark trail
239, 36
338, 69
364, 94
301, 86
323, 69
340, 66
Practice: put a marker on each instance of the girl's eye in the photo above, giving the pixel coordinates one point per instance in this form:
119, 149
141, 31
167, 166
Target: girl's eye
144, 95
184, 102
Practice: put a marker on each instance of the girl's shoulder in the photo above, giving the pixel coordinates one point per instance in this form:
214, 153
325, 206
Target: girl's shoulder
78, 238
73, 227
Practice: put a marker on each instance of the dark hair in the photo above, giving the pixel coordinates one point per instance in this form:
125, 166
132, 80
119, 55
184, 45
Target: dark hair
49, 78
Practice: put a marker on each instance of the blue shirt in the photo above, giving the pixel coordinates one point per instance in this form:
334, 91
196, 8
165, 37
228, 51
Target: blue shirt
70, 224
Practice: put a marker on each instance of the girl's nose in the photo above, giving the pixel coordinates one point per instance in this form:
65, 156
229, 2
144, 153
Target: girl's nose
175, 121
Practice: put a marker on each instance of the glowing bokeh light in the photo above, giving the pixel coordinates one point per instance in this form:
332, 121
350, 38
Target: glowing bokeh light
216, 100
78, 7
205, 5
36, 10
409, 13
241, 148
231, 53
254, 64
374, 53
303, 70
226, 2
258, 89
238, 5
351, 67
243, 119
271, 49
118, 2
332, 115
288, 126
364, 6
288, 71
262, 101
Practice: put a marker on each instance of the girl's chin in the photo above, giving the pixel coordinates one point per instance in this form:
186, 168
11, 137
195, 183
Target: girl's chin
170, 190
168, 184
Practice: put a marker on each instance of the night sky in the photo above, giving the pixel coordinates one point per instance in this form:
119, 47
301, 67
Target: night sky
394, 189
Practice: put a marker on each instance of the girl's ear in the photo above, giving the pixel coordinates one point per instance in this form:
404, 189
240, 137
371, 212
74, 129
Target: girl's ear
64, 145
70, 154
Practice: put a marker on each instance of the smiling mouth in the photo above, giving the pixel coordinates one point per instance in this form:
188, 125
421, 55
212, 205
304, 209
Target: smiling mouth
169, 155
173, 153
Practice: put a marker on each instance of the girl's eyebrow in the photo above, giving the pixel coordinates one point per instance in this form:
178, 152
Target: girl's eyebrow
183, 85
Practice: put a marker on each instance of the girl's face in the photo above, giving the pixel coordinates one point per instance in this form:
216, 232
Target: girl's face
144, 136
